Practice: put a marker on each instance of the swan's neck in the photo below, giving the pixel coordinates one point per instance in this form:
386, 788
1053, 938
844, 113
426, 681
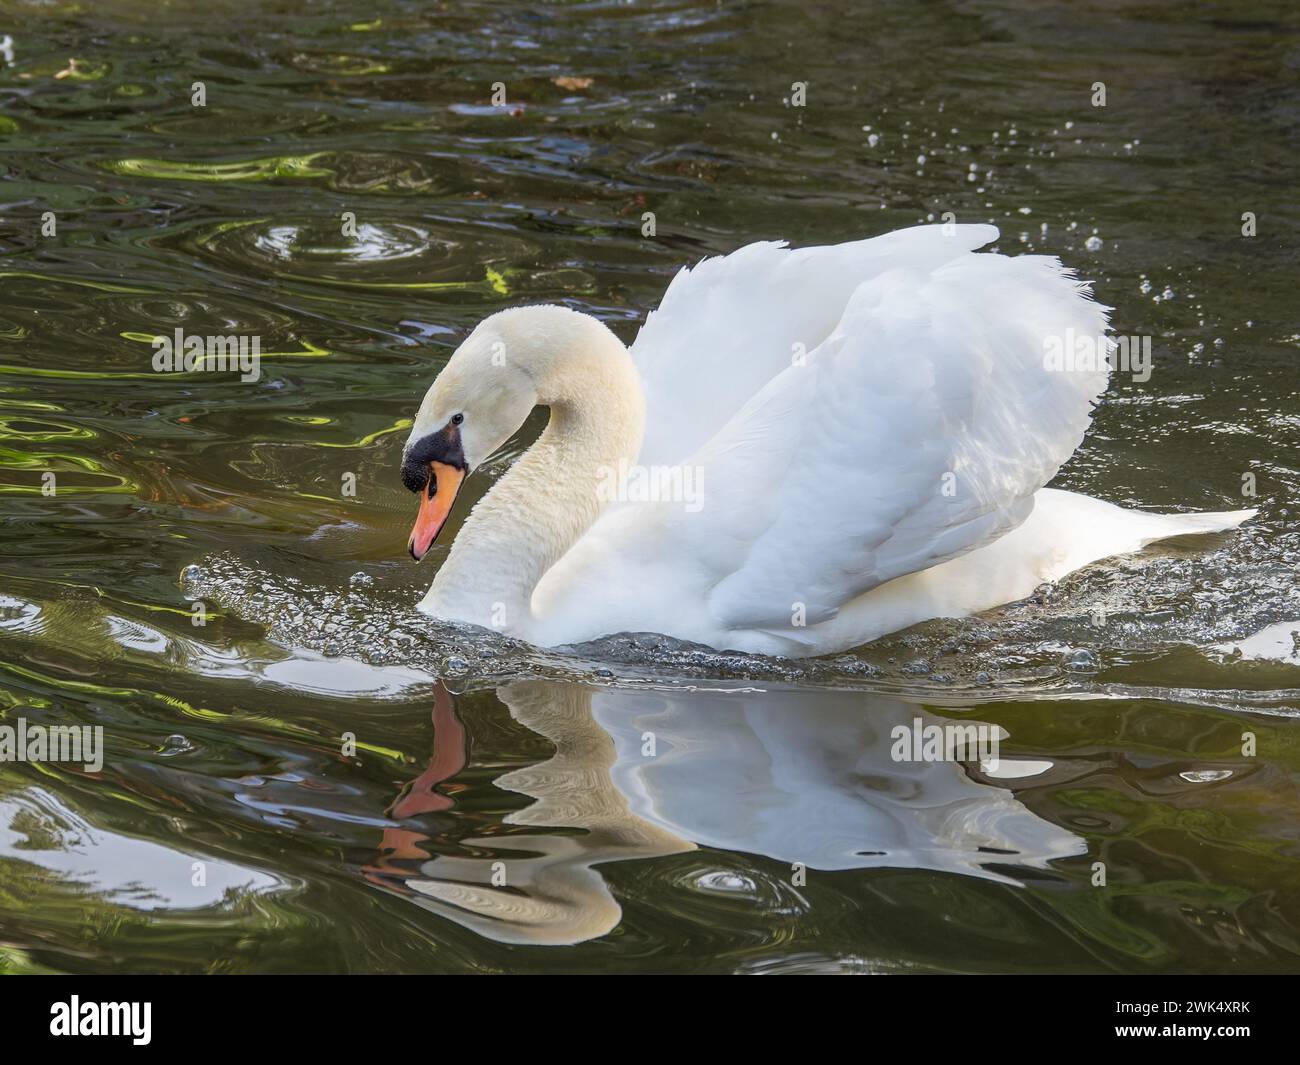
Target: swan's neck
551, 495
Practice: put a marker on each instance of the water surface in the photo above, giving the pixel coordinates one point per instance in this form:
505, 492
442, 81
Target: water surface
366, 790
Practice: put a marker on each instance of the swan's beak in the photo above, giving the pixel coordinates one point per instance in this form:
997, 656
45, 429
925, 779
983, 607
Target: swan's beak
436, 500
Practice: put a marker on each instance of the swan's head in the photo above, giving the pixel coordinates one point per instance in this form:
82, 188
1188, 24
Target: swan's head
473, 407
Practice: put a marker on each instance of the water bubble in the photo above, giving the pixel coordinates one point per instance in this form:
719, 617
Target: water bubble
1081, 661
728, 883
1205, 776
174, 745
1093, 243
455, 666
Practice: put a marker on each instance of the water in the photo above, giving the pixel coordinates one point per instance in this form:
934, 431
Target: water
637, 804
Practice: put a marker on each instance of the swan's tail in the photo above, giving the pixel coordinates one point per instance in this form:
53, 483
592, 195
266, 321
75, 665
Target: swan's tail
1164, 526
1085, 530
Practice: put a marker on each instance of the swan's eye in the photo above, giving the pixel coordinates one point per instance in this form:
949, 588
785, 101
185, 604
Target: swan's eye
456, 419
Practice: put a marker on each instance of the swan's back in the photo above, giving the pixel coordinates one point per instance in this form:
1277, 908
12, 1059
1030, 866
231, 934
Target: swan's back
855, 413
728, 325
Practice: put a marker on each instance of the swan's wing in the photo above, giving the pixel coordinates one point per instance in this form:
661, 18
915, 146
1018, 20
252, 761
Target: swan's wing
916, 431
730, 324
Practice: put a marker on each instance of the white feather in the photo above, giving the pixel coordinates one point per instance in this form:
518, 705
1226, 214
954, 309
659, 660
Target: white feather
869, 427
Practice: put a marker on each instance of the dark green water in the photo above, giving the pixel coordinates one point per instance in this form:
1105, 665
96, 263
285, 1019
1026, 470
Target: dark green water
511, 820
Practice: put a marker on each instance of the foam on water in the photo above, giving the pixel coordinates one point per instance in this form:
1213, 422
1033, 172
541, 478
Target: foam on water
1218, 609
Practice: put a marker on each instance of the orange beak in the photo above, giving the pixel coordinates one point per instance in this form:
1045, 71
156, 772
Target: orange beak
435, 504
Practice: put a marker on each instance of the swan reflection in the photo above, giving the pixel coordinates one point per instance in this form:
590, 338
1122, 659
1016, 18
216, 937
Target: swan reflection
791, 775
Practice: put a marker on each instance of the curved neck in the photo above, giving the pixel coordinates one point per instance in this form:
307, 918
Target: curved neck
551, 495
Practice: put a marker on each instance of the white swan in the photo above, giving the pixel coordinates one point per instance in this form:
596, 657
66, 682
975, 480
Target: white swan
860, 436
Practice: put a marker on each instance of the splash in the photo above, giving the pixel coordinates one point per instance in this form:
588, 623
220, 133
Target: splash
1174, 613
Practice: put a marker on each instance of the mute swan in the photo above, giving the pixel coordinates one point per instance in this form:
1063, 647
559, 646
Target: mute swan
865, 431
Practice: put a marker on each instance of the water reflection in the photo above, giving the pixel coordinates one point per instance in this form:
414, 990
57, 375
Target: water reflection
39, 830
805, 779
